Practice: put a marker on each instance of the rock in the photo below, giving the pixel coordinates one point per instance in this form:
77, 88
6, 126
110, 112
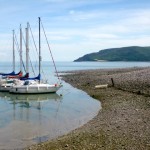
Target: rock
66, 145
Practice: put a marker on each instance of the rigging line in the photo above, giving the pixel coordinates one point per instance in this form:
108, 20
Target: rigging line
36, 49
33, 39
25, 43
29, 57
50, 52
17, 45
31, 66
19, 50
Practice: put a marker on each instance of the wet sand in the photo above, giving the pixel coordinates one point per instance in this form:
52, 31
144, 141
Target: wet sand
123, 123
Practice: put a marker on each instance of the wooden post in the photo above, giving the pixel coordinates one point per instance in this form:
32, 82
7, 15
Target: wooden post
112, 82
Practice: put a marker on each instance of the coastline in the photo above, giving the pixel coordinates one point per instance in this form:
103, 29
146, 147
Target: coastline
122, 123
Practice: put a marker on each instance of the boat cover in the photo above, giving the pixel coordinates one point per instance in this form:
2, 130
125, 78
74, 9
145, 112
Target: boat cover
34, 78
18, 75
7, 74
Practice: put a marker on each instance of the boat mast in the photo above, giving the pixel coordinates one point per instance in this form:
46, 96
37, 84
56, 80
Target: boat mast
40, 47
20, 48
13, 50
27, 48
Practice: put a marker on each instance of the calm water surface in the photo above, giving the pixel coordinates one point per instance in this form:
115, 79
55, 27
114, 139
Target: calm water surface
29, 119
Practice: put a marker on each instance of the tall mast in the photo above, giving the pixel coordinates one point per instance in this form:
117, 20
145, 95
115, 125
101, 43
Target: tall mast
27, 48
13, 50
39, 47
20, 48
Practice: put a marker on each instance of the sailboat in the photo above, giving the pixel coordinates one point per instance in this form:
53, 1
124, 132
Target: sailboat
12, 74
6, 78
36, 86
9, 79
20, 74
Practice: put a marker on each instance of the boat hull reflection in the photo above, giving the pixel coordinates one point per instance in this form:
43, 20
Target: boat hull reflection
29, 99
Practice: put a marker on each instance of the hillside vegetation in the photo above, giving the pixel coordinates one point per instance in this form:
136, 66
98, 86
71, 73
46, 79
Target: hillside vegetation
133, 53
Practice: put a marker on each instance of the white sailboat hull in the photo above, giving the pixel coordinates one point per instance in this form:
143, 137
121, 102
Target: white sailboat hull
9, 83
5, 87
35, 89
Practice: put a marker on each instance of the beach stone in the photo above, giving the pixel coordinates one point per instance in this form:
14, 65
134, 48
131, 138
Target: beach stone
116, 126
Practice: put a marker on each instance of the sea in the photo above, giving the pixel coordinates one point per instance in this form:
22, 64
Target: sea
35, 118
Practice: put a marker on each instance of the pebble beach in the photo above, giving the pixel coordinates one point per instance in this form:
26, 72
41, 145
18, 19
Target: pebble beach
123, 123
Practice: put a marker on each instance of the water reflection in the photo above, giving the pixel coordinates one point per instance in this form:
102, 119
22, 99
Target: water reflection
29, 119
30, 97
29, 101
23, 103
24, 118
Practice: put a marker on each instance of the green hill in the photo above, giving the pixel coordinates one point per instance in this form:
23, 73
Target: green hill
133, 53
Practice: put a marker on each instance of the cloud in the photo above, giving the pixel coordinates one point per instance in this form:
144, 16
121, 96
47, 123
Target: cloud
135, 23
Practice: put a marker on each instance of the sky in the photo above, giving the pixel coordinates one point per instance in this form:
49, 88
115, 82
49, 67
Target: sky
75, 27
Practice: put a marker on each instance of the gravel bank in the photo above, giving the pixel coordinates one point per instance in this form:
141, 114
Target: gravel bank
124, 121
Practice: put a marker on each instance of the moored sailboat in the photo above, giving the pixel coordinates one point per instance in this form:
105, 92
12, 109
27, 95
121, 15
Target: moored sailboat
36, 86
13, 74
7, 82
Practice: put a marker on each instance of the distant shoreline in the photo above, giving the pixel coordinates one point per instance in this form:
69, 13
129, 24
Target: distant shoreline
130, 53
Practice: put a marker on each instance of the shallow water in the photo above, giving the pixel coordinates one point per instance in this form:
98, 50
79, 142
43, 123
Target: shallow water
30, 119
